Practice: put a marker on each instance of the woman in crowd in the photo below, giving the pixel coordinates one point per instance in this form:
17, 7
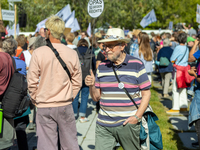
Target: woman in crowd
82, 48
20, 123
180, 58
21, 41
145, 53
165, 71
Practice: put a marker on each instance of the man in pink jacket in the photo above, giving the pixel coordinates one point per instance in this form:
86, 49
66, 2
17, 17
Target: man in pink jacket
52, 91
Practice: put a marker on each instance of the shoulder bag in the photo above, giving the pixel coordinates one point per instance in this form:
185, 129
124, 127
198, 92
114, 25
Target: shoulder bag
58, 57
155, 136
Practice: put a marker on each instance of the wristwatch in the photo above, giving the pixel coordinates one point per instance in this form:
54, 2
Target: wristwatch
139, 119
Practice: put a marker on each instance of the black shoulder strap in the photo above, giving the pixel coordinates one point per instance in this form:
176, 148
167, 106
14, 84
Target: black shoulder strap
183, 55
125, 90
13, 61
58, 57
79, 55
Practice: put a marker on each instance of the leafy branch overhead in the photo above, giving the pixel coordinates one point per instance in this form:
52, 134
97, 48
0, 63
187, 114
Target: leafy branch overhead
123, 13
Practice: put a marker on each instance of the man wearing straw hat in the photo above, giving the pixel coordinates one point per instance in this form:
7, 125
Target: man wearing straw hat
54, 94
119, 119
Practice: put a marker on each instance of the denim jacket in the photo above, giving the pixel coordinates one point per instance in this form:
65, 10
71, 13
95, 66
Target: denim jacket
194, 113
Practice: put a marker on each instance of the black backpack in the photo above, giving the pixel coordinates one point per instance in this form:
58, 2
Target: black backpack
15, 100
85, 61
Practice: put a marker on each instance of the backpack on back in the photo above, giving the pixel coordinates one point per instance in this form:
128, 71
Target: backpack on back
85, 61
15, 101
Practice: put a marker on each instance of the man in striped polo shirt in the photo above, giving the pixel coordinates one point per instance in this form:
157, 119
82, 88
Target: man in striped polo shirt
119, 119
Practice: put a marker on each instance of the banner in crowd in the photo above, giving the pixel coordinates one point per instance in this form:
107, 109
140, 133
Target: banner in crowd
148, 19
198, 14
89, 29
170, 25
11, 31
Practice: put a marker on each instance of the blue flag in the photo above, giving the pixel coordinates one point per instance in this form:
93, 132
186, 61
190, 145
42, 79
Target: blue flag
148, 19
171, 25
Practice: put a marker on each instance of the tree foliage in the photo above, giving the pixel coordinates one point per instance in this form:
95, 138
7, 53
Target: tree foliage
123, 13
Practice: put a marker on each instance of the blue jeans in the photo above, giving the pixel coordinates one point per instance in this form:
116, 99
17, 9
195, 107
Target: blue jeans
84, 98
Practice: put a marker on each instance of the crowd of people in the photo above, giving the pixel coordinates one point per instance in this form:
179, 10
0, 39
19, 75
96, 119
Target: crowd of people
58, 98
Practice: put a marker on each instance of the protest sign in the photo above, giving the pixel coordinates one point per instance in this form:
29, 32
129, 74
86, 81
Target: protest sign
8, 15
95, 8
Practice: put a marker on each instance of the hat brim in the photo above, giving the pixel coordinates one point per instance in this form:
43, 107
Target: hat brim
113, 40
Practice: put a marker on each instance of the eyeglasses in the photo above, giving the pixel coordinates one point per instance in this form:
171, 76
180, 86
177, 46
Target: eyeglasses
46, 29
110, 46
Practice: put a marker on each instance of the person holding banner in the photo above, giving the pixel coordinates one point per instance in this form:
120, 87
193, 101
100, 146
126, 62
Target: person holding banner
119, 119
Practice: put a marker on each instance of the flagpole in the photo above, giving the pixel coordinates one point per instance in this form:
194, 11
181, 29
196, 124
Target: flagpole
92, 43
15, 20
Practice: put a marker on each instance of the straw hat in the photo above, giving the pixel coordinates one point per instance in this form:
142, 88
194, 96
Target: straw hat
115, 34
98, 34
31, 41
136, 32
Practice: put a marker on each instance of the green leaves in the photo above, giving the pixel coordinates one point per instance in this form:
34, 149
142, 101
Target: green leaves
124, 13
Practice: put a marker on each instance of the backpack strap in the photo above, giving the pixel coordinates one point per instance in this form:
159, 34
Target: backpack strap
13, 61
20, 53
58, 57
79, 55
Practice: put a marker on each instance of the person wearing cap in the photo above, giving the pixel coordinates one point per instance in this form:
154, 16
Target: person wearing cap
165, 71
54, 94
135, 44
190, 42
118, 119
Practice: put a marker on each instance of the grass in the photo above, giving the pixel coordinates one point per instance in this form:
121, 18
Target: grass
171, 140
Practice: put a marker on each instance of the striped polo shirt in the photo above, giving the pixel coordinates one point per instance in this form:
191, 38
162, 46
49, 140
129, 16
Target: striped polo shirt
115, 105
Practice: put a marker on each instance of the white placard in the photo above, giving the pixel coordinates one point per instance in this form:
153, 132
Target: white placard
95, 8
8, 15
14, 0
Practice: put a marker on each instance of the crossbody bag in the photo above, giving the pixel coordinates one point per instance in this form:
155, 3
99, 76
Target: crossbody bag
59, 58
154, 138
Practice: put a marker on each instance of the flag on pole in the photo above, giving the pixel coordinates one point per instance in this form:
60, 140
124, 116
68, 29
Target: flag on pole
89, 29
69, 21
40, 25
148, 19
198, 14
65, 12
11, 31
75, 26
171, 25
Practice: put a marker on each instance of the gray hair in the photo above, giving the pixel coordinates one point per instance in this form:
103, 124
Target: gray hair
9, 46
40, 41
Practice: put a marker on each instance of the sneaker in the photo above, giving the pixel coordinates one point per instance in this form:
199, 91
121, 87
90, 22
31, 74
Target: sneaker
82, 120
166, 95
195, 144
183, 109
171, 111
31, 127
